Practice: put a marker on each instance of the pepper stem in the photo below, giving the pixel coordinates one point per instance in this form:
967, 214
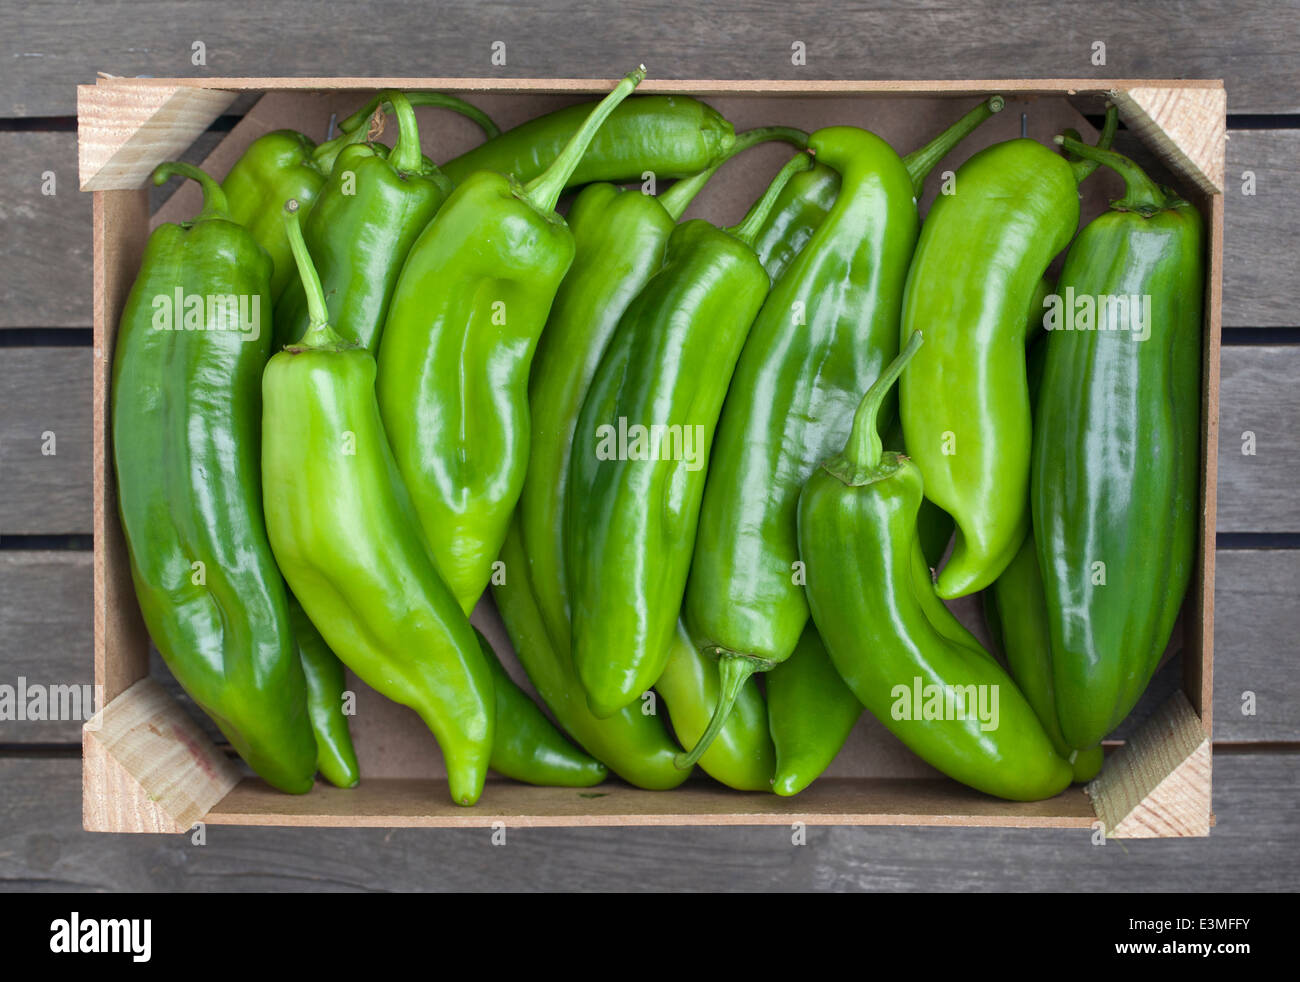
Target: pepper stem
439, 99
406, 157
749, 227
735, 671
214, 199
679, 197
864, 449
319, 334
1084, 167
1141, 194
921, 161
328, 152
545, 189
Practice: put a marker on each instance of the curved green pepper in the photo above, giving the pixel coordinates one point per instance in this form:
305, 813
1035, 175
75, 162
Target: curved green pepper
635, 746
742, 756
898, 648
185, 410
527, 747
667, 135
285, 164
641, 448
963, 401
470, 303
336, 758
619, 243
348, 542
830, 323
370, 211
1116, 456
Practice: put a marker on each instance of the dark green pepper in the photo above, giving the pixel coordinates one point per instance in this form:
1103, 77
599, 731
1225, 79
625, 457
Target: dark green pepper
633, 744
348, 542
830, 324
191, 345
1116, 460
469, 306
336, 758
370, 211
641, 450
666, 135
963, 401
908, 660
802, 207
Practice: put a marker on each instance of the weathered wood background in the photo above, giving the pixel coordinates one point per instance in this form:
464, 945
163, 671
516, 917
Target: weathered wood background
45, 282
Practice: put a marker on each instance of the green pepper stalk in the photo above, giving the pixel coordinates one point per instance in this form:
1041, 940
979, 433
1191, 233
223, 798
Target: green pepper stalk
470, 303
896, 646
829, 323
439, 99
349, 544
185, 411
367, 216
964, 403
670, 136
668, 365
1115, 467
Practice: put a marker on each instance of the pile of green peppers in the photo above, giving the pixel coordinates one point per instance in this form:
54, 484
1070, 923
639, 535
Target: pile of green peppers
718, 479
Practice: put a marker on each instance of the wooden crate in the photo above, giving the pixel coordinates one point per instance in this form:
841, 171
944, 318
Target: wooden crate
147, 765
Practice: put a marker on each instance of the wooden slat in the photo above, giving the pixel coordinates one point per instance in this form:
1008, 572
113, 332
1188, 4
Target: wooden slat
45, 253
42, 846
1260, 230
45, 391
1258, 395
46, 49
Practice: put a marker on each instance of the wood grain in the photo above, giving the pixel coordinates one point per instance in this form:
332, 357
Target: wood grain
46, 396
1258, 395
1261, 230
42, 847
48, 47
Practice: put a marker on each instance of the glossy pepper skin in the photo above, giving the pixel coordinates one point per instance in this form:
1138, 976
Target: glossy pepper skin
802, 207
619, 242
336, 759
470, 303
634, 745
185, 407
889, 636
1116, 456
668, 135
527, 747
366, 218
964, 402
632, 508
742, 756
349, 544
829, 324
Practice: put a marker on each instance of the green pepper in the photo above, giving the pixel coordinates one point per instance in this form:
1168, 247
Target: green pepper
641, 451
830, 323
1116, 460
899, 649
372, 208
802, 207
666, 135
963, 401
185, 408
619, 242
633, 744
335, 757
348, 542
527, 746
285, 164
470, 303
742, 756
